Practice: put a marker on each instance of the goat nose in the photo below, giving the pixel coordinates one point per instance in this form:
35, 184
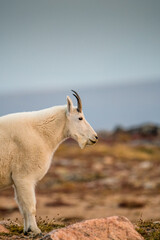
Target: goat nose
96, 137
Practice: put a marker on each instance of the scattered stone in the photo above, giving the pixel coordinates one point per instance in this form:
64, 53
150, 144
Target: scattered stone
145, 165
149, 185
108, 160
156, 222
111, 228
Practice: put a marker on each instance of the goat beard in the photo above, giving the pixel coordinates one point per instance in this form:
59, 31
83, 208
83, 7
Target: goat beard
82, 144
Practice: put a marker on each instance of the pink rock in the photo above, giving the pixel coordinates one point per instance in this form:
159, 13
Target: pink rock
111, 228
3, 229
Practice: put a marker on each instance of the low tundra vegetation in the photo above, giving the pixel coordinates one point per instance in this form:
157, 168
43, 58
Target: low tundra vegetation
16, 227
150, 230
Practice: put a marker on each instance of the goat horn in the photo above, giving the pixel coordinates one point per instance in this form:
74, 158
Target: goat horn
79, 109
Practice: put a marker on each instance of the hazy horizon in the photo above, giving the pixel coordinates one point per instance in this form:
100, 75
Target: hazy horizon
105, 107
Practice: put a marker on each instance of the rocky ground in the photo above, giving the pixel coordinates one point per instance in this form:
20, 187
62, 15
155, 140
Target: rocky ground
120, 175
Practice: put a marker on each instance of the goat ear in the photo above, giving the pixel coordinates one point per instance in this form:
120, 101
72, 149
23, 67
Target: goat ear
69, 105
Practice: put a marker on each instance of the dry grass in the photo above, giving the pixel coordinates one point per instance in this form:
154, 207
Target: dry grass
118, 150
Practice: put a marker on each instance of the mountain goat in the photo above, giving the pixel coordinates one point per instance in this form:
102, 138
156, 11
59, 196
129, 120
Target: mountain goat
27, 144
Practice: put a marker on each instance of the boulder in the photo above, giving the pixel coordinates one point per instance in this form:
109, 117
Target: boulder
111, 228
3, 229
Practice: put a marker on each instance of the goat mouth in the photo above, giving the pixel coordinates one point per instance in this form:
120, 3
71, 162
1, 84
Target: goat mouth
92, 141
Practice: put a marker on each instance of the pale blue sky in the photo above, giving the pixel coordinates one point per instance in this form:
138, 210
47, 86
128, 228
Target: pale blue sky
53, 44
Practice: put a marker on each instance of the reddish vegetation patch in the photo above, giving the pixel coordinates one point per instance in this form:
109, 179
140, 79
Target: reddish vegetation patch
58, 203
131, 204
5, 211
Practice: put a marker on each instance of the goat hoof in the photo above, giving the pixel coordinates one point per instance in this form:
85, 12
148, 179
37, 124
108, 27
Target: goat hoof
28, 231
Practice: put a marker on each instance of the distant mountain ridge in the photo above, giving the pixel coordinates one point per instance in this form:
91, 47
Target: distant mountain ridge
104, 106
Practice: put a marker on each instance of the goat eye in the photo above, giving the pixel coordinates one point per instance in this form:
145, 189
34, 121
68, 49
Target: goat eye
80, 118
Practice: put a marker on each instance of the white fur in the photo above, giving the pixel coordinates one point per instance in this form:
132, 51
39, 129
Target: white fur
27, 144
